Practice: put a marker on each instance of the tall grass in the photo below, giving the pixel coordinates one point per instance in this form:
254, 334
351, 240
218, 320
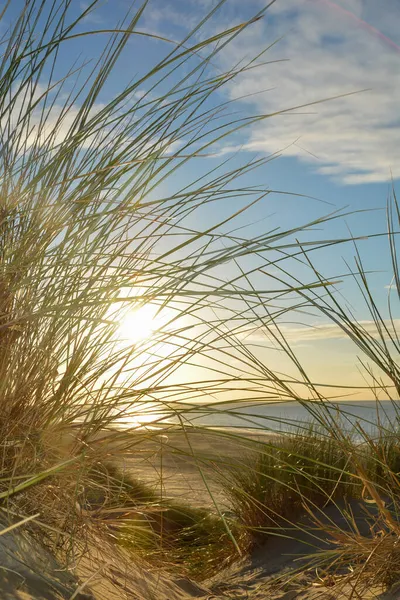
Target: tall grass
93, 224
377, 558
97, 223
165, 532
303, 475
271, 490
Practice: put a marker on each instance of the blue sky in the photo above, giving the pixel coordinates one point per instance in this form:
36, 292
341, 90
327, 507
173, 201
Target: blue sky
342, 152
337, 153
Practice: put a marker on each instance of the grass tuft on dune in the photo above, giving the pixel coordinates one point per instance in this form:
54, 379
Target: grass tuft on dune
98, 230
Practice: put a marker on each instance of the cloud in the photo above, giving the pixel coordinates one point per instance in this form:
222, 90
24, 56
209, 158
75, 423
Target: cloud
49, 127
93, 17
333, 48
315, 333
161, 17
41, 125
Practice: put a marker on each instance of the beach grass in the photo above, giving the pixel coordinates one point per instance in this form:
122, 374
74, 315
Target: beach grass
183, 539
95, 226
167, 533
270, 489
284, 484
374, 555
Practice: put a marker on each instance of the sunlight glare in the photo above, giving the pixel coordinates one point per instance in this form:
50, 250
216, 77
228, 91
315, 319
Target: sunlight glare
138, 325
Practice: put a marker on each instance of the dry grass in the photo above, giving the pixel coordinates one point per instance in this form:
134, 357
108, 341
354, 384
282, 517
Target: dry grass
272, 487
89, 231
292, 481
89, 234
166, 533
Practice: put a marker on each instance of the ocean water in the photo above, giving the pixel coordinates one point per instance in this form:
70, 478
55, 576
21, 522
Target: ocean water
354, 416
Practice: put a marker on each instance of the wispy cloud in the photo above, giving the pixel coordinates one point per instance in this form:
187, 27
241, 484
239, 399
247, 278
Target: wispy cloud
315, 333
54, 123
165, 18
333, 47
93, 17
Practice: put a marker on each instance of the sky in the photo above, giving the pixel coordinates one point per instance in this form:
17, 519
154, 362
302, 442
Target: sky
340, 58
339, 63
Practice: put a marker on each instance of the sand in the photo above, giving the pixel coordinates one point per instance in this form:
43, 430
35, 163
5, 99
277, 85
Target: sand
29, 572
178, 465
187, 466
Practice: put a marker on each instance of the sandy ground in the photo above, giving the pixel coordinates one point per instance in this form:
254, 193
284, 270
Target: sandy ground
29, 572
184, 467
188, 466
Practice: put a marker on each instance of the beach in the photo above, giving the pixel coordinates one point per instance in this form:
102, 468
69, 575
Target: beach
188, 465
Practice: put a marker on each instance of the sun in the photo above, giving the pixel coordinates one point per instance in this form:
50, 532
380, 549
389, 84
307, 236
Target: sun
139, 324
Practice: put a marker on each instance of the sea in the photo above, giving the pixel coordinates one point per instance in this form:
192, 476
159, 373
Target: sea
357, 417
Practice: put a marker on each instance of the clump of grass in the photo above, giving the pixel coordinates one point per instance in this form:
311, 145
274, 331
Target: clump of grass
167, 533
184, 539
295, 477
373, 464
110, 487
384, 460
277, 481
272, 487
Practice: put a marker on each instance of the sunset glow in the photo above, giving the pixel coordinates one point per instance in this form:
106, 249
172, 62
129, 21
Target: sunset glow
138, 325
